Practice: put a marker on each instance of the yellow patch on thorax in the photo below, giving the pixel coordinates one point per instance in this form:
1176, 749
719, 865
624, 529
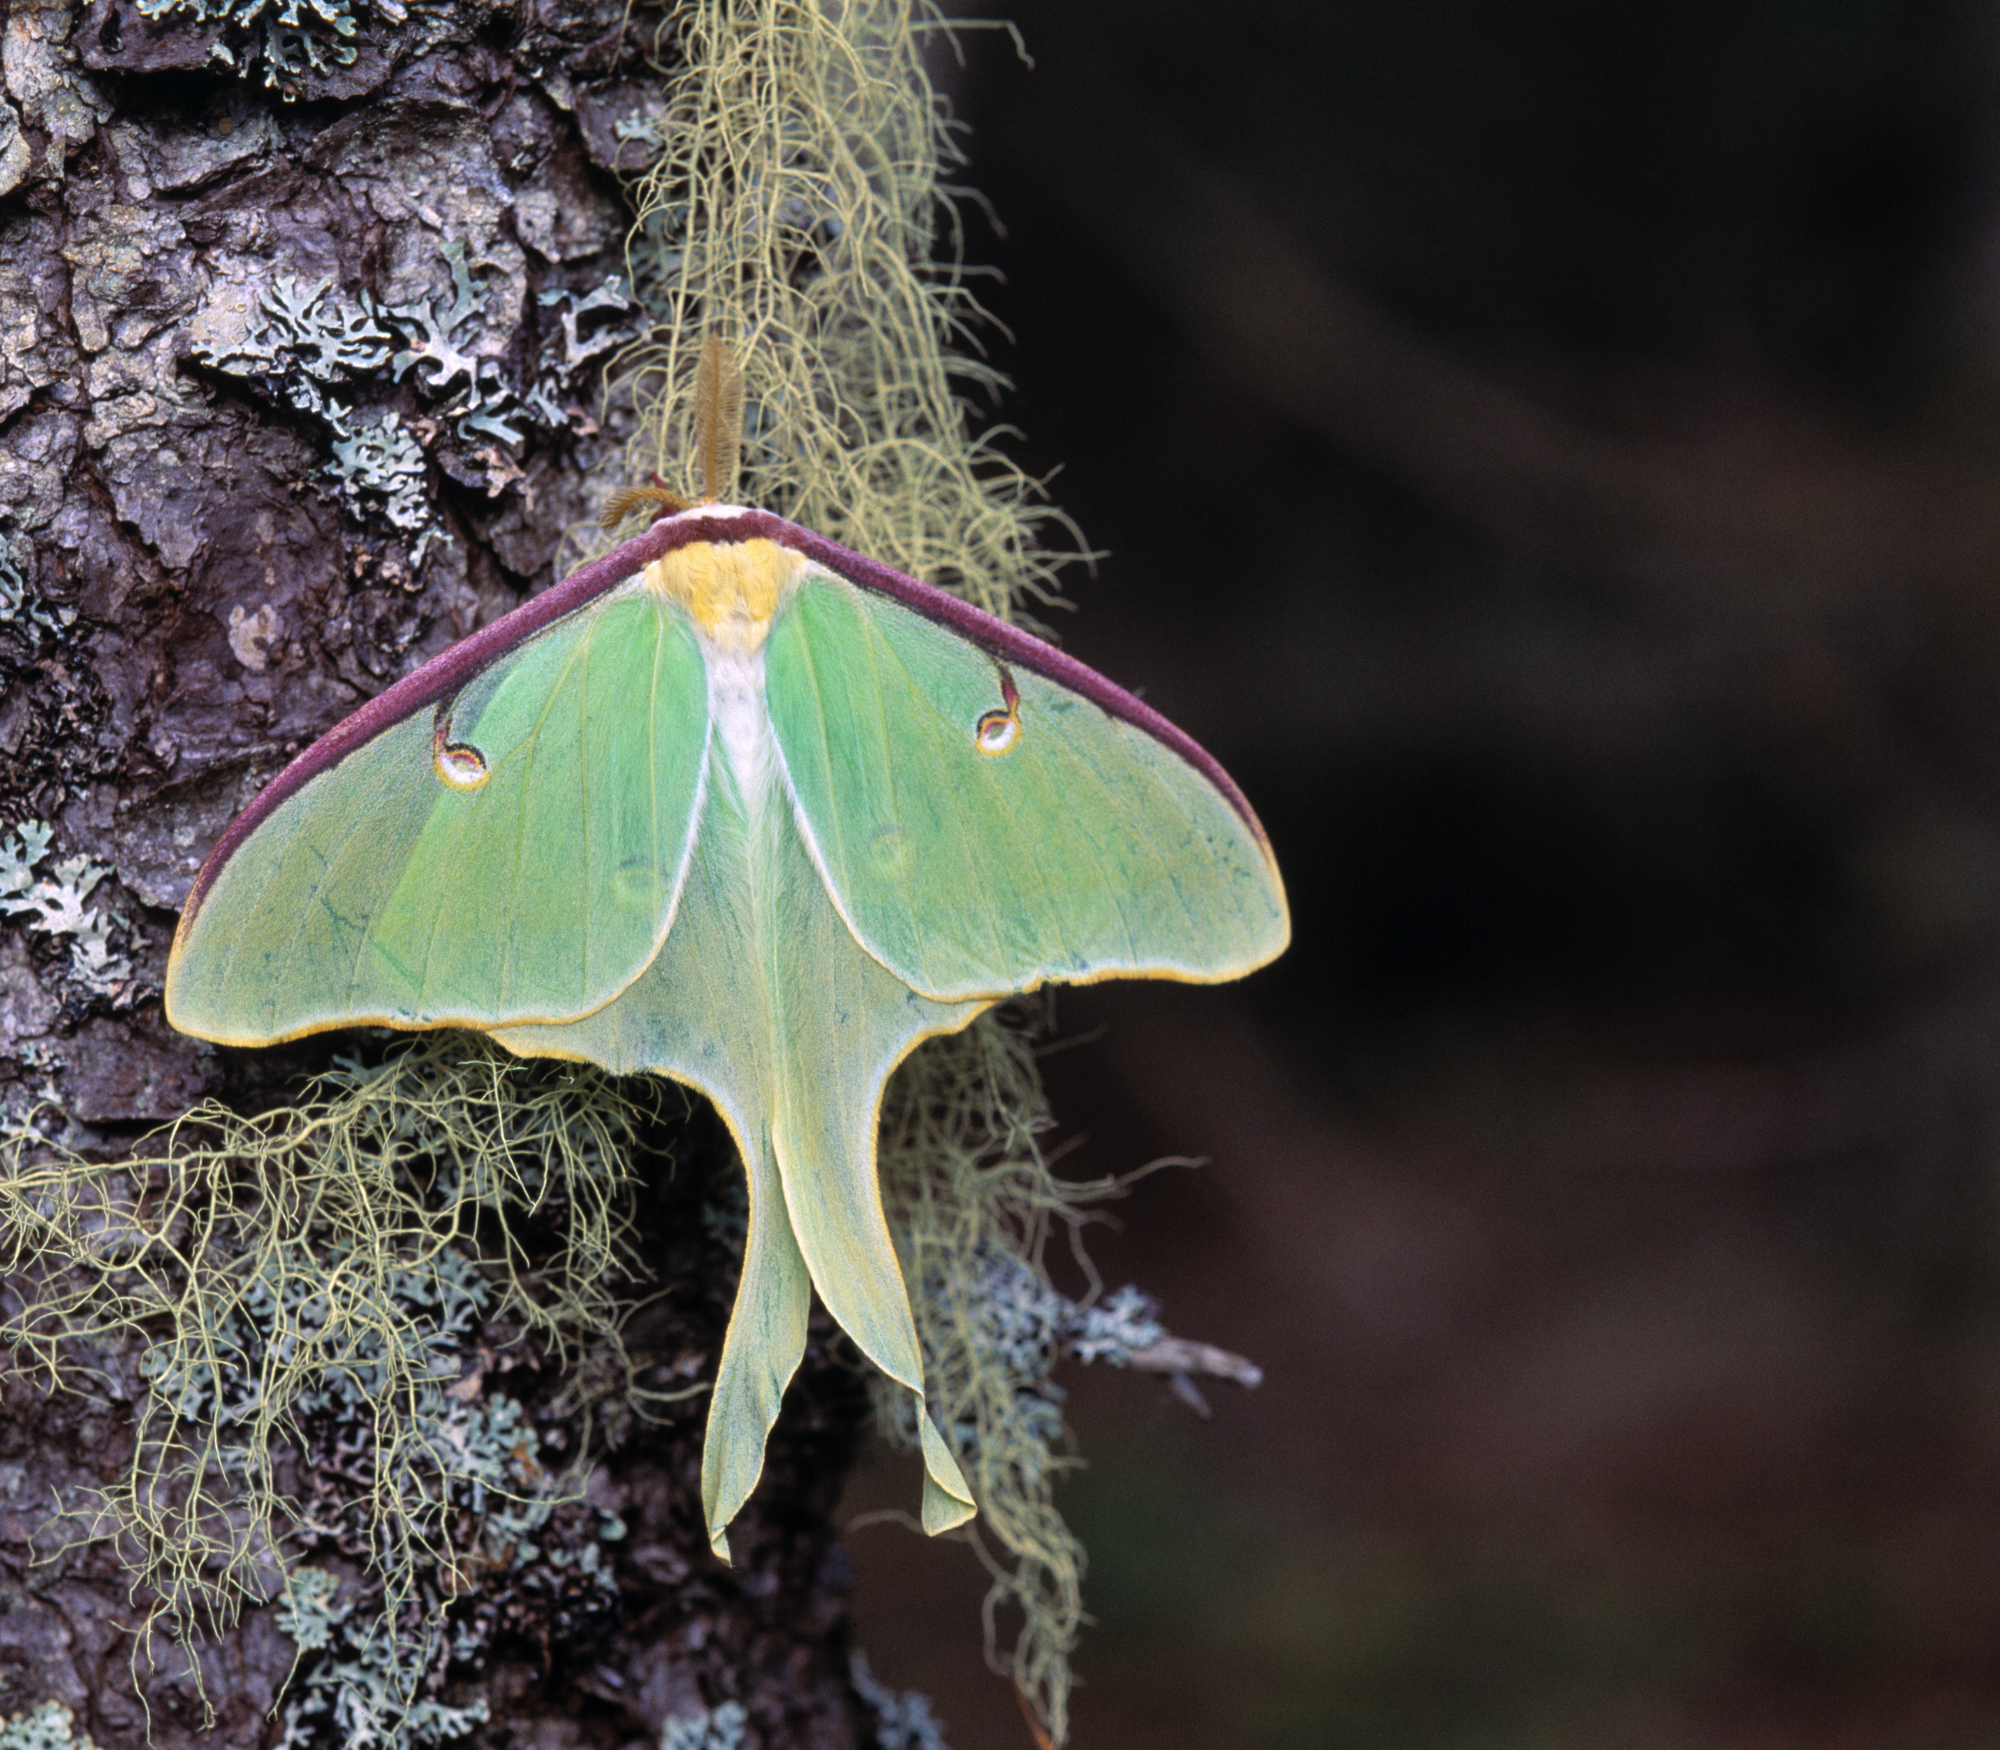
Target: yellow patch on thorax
730, 588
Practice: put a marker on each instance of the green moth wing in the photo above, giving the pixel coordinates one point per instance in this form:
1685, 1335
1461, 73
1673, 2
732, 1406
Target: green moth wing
984, 827
511, 853
762, 999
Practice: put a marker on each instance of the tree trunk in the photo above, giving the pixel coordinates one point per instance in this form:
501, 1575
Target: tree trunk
303, 326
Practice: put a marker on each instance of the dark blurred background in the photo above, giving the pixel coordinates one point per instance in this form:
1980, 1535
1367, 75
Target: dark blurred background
1551, 453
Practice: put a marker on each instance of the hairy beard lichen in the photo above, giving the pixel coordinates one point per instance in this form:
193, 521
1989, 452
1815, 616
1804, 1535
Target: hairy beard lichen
797, 207
968, 1188
306, 1288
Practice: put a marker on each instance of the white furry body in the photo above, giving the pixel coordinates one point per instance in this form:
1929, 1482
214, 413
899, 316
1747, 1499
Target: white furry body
742, 721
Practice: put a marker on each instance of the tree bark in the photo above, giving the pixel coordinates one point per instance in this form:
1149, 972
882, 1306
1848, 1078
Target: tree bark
219, 280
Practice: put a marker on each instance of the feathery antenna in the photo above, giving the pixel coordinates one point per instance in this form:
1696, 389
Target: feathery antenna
718, 416
630, 500
718, 439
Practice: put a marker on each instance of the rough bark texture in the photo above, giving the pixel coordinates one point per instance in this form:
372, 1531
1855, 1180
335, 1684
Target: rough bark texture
213, 545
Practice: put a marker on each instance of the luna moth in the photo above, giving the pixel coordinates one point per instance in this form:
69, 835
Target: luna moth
734, 805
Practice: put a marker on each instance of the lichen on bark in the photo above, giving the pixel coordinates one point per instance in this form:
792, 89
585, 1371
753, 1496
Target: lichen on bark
396, 1375
189, 597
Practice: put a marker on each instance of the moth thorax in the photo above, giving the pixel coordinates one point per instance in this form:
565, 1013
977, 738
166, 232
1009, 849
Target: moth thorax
729, 588
742, 720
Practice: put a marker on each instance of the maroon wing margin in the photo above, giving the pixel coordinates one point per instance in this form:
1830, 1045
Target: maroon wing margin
443, 675
1007, 642
446, 673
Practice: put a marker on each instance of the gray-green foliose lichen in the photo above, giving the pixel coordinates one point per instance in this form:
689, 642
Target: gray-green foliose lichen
719, 1728
370, 1676
285, 42
355, 1688
50, 1727
316, 351
1027, 1328
903, 1718
20, 606
54, 901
